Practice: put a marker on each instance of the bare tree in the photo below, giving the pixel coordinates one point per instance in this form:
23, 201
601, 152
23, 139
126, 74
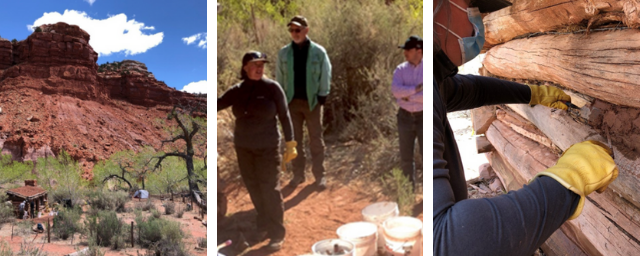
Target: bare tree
186, 143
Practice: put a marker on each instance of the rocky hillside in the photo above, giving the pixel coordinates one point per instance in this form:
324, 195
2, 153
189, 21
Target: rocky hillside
54, 96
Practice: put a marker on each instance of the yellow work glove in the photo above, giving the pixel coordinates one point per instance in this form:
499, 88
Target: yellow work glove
290, 152
585, 167
548, 96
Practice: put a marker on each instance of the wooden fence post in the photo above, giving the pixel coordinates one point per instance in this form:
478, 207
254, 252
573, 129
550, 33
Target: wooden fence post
132, 241
49, 231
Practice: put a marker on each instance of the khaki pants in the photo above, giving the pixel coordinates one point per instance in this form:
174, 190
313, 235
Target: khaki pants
300, 113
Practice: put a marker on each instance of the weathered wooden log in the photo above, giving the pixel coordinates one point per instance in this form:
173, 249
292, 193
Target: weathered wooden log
523, 127
608, 225
602, 65
526, 17
483, 145
564, 131
482, 117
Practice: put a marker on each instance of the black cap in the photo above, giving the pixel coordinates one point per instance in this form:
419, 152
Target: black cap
251, 56
486, 6
298, 21
412, 42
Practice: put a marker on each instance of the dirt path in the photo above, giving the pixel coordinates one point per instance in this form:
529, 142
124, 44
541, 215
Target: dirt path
310, 216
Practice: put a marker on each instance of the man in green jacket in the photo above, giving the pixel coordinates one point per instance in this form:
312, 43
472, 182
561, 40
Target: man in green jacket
304, 72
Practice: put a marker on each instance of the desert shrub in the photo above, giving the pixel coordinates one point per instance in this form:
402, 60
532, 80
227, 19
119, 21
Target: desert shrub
152, 230
109, 201
23, 228
179, 213
401, 190
169, 208
5, 249
202, 242
38, 29
66, 223
6, 211
104, 225
94, 249
155, 213
148, 206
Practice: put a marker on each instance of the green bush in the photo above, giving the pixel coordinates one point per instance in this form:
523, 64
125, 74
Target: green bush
104, 225
155, 213
38, 29
6, 211
152, 230
169, 208
109, 201
179, 213
66, 223
401, 190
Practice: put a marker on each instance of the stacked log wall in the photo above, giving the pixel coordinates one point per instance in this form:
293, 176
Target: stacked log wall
570, 45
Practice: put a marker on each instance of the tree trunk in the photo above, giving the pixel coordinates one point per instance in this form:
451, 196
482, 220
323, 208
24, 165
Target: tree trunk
526, 17
603, 65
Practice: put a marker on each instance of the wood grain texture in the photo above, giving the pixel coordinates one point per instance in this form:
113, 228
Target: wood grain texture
526, 17
603, 65
482, 117
607, 225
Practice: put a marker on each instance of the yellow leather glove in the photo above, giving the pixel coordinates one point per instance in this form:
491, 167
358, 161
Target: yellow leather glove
290, 152
585, 167
548, 96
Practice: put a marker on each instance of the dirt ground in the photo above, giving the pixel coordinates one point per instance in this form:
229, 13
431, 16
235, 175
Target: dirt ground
193, 228
310, 216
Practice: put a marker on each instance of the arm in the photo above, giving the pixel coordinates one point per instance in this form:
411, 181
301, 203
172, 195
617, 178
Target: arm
398, 88
513, 224
283, 113
468, 91
325, 77
228, 98
416, 97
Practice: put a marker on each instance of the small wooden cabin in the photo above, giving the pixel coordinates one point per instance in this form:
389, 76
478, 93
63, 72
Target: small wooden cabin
33, 194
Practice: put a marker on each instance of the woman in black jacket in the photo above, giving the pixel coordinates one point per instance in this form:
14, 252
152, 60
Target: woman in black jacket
519, 222
257, 103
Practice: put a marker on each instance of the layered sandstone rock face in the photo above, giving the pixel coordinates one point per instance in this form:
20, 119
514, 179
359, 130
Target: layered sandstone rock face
54, 97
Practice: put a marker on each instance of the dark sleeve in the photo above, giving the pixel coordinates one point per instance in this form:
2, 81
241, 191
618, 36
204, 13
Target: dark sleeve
283, 112
228, 98
513, 224
462, 92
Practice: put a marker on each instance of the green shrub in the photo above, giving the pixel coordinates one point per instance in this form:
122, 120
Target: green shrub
5, 249
65, 224
169, 208
38, 29
6, 211
109, 201
104, 225
152, 230
179, 213
94, 249
148, 206
155, 213
401, 190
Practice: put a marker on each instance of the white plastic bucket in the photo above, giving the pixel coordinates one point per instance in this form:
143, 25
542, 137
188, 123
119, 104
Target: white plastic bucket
401, 235
377, 213
362, 234
329, 245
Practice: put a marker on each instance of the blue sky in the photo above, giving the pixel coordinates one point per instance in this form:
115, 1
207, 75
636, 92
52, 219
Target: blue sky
169, 36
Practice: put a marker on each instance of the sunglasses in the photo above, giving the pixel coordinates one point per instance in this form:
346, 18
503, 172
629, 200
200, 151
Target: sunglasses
296, 30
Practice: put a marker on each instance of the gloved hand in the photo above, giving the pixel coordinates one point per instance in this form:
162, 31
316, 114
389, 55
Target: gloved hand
548, 96
585, 167
290, 152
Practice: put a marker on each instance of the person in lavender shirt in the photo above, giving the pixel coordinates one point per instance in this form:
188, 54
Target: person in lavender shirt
407, 89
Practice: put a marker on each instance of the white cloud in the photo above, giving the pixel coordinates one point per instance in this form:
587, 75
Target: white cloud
196, 87
90, 1
202, 37
111, 35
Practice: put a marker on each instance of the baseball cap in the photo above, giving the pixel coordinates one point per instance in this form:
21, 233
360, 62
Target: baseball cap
412, 42
298, 21
252, 56
486, 6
